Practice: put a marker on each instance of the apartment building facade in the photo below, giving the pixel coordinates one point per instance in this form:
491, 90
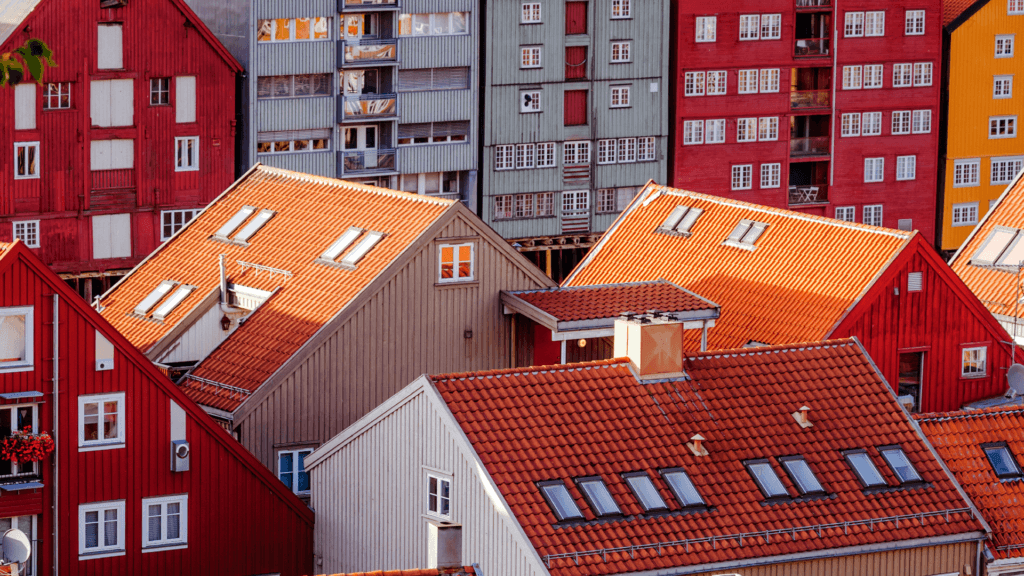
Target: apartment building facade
828, 107
377, 92
575, 119
123, 142
981, 153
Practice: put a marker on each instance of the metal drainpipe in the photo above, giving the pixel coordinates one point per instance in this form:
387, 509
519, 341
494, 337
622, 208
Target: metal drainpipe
56, 430
835, 65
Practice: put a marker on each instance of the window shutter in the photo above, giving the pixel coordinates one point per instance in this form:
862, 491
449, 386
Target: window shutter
414, 130
414, 80
914, 281
575, 17
111, 236
99, 102
451, 78
575, 62
122, 154
575, 107
109, 53
185, 99
122, 108
25, 106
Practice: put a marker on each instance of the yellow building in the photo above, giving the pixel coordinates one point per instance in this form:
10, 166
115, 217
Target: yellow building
982, 149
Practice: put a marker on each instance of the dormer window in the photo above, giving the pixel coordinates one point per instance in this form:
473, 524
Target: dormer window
645, 492
598, 497
802, 475
153, 297
767, 480
1002, 460
682, 487
864, 468
900, 464
561, 502
746, 234
681, 220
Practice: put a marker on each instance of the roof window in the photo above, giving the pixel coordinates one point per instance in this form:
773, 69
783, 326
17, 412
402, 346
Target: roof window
746, 233
254, 226
645, 491
598, 497
682, 488
1003, 247
900, 465
153, 297
864, 468
173, 301
234, 222
561, 502
802, 475
681, 220
767, 480
365, 245
341, 244
355, 253
1003, 462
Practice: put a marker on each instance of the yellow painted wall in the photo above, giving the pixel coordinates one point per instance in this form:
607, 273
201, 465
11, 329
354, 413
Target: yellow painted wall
972, 66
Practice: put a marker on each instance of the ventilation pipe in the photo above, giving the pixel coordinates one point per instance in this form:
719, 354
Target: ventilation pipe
802, 418
696, 445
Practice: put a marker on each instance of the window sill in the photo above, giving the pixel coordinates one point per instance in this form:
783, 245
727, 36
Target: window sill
164, 547
746, 247
12, 367
96, 447
464, 284
97, 555
973, 376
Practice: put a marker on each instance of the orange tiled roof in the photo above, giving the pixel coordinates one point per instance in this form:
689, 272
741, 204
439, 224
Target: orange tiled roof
577, 420
803, 276
995, 288
952, 9
464, 571
592, 302
958, 437
312, 212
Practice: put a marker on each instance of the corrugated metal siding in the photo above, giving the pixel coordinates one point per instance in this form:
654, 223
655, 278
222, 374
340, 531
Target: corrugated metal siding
439, 106
438, 51
281, 59
295, 114
319, 163
381, 347
347, 490
297, 9
416, 159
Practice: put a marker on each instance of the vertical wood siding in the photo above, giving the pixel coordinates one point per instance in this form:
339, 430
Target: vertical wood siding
198, 340
407, 328
156, 44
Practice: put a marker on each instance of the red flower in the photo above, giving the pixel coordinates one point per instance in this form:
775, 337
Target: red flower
24, 446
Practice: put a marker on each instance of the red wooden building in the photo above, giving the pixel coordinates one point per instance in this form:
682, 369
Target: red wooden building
142, 480
131, 133
829, 107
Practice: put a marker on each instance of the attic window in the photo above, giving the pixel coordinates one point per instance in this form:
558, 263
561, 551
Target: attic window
681, 220
745, 234
900, 465
645, 491
561, 502
864, 468
173, 301
1002, 247
802, 475
682, 488
598, 497
1003, 462
767, 480
254, 226
234, 222
155, 296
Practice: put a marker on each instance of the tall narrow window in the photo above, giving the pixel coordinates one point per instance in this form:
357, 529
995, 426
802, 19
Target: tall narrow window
852, 77
874, 169
853, 25
906, 167
923, 74
874, 23
186, 156
575, 113
771, 26
750, 26
291, 469
16, 342
706, 28
109, 53
717, 82
439, 496
26, 160
771, 175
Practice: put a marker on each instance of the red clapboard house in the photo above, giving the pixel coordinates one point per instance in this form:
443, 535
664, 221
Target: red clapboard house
142, 480
131, 133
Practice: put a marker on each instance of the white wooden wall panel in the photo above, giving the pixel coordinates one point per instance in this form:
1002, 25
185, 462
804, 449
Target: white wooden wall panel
112, 154
109, 54
99, 102
111, 236
198, 340
112, 102
185, 99
25, 106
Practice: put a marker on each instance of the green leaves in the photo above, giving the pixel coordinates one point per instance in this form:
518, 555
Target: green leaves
34, 54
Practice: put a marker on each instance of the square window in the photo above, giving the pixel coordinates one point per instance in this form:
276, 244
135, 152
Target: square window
906, 167
873, 215
871, 124
770, 80
902, 75
101, 421
767, 480
545, 155
706, 28
771, 175
873, 75
748, 81
714, 131
874, 23
965, 214
561, 502
850, 124
621, 51
529, 57
693, 132
750, 26
771, 26
741, 177
853, 25
923, 74
846, 213
16, 341
901, 122
439, 495
159, 91
864, 468
852, 77
28, 232
998, 127
186, 157
606, 203
900, 464
914, 24
101, 529
874, 169
291, 469
693, 83
456, 263
1002, 87
622, 9
768, 128
26, 160
922, 123
717, 80
627, 150
531, 13
57, 96
973, 364
596, 494
620, 97
1004, 46
165, 521
529, 101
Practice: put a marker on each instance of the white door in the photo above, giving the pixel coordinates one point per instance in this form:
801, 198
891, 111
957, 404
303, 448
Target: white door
112, 236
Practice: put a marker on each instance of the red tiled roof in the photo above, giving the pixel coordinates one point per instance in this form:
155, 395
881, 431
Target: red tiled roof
312, 212
805, 273
995, 288
592, 302
952, 9
958, 437
565, 422
464, 571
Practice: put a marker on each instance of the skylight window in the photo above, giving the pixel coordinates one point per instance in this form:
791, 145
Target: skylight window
682, 488
365, 245
767, 480
681, 220
1002, 460
254, 226
341, 244
598, 497
234, 222
561, 502
746, 233
802, 475
173, 301
1003, 247
865, 469
155, 296
900, 465
645, 491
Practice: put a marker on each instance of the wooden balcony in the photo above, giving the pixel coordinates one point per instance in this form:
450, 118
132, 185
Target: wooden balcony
368, 107
816, 194
812, 146
811, 47
368, 52
809, 99
362, 162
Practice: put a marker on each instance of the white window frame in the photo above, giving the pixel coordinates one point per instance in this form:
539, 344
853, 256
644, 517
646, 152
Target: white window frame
914, 23
981, 357
38, 164
962, 209
179, 144
853, 77
746, 129
693, 132
441, 478
620, 97
1009, 121
706, 29
921, 122
902, 75
534, 106
1004, 45
455, 263
717, 83
627, 150
52, 100
874, 23
606, 151
645, 149
967, 173
846, 213
714, 131
296, 455
742, 176
923, 70
29, 234
103, 443
771, 26
693, 84
769, 80
853, 25
750, 27
622, 9
1003, 169
531, 13
546, 155
850, 124
504, 157
1002, 86
622, 51
525, 155
872, 120
101, 551
771, 175
873, 76
872, 212
906, 168
748, 81
901, 122
578, 151
531, 57
165, 543
768, 128
25, 364
874, 170
1015, 7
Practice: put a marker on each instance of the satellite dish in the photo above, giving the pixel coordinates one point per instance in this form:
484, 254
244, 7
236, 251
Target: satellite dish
1015, 376
16, 547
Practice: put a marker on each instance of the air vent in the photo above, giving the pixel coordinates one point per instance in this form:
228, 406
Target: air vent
914, 282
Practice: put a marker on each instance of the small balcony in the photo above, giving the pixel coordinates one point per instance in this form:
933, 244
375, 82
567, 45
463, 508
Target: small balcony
368, 52
368, 107
361, 162
811, 47
364, 5
816, 194
810, 99
810, 146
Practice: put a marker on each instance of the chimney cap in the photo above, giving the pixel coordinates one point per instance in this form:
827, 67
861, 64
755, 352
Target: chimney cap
697, 437
801, 417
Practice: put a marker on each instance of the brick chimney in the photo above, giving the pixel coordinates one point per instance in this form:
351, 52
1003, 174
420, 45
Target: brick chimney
444, 545
653, 342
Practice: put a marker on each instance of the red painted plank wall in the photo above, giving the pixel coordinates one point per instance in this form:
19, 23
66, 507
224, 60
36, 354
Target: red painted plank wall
159, 40
240, 520
707, 167
940, 319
